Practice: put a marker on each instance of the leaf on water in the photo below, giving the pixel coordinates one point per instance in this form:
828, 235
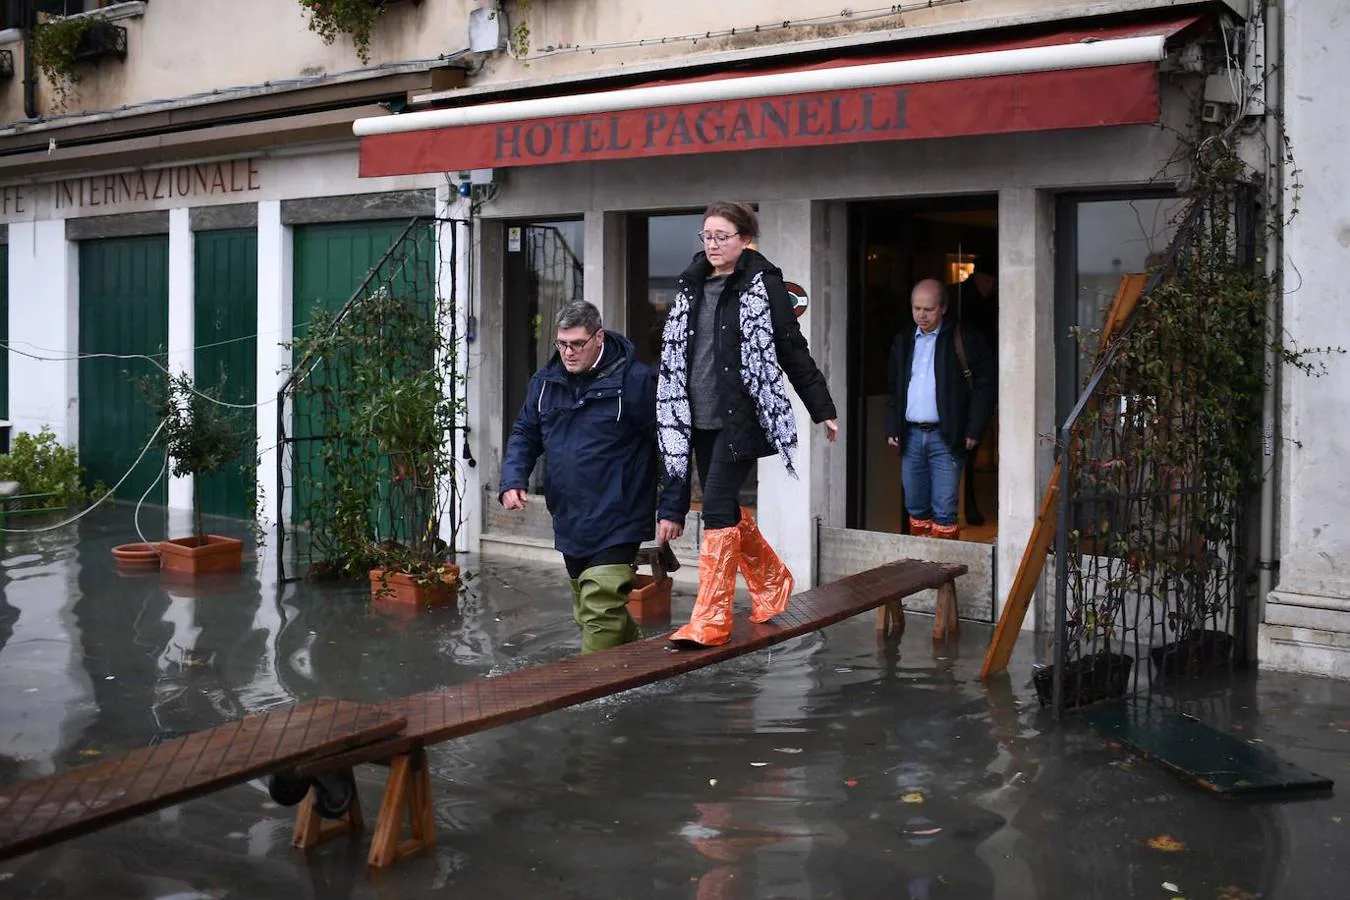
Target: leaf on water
1169, 886
852, 782
912, 797
90, 751
1166, 843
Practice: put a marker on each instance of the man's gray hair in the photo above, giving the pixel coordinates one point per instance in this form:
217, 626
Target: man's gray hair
579, 313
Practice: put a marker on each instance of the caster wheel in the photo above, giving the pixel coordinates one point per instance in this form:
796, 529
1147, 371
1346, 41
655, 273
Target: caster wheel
286, 789
334, 793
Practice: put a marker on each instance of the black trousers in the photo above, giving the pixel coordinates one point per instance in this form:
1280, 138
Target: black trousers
619, 554
722, 478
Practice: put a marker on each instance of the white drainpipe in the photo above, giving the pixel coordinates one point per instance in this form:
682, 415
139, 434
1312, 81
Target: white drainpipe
1085, 55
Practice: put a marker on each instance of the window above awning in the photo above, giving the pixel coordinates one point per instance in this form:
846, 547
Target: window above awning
1069, 79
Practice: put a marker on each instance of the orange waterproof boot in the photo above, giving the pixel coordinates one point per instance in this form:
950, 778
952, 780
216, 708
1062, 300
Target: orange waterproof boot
947, 532
766, 576
920, 527
710, 623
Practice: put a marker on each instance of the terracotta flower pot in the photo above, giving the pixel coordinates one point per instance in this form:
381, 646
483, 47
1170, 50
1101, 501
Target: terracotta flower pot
649, 601
399, 588
139, 558
210, 555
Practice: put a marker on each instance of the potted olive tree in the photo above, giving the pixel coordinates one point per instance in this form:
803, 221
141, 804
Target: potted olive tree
408, 415
201, 436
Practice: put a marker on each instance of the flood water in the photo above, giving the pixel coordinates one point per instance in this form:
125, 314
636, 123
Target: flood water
832, 766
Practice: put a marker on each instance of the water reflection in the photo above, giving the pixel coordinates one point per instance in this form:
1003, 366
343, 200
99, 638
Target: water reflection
832, 766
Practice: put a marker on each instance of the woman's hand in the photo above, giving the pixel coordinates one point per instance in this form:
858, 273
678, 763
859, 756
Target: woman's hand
831, 429
667, 531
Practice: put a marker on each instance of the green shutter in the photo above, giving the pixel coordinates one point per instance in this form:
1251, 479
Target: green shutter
225, 335
124, 309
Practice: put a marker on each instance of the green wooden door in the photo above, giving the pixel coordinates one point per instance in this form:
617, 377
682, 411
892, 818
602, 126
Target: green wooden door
124, 309
331, 261
4, 331
225, 335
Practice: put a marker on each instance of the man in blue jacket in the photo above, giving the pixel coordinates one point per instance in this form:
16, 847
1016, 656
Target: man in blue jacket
591, 412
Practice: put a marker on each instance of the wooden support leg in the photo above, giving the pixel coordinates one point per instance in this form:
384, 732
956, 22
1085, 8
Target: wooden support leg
311, 829
408, 793
946, 625
891, 620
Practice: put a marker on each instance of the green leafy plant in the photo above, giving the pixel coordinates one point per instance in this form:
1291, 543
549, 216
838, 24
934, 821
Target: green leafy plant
200, 435
355, 18
520, 33
380, 383
53, 45
41, 465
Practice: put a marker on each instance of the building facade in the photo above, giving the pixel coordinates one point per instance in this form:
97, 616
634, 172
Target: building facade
197, 205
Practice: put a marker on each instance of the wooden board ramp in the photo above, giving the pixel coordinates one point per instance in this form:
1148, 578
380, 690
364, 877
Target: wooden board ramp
314, 747
1029, 570
46, 811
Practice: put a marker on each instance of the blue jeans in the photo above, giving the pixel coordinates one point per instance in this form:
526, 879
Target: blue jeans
931, 473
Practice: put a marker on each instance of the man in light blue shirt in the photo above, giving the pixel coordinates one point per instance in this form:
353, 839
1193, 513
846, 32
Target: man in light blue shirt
942, 395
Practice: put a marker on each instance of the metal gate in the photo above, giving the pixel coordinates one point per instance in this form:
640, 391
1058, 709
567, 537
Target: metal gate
334, 478
1153, 544
124, 313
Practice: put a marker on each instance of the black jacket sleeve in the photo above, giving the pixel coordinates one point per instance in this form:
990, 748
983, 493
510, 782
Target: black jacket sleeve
984, 383
794, 357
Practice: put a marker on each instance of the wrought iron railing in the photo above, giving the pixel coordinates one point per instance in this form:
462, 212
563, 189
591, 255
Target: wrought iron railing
340, 487
1152, 558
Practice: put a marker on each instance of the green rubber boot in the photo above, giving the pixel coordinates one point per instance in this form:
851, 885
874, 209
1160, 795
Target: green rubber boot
602, 608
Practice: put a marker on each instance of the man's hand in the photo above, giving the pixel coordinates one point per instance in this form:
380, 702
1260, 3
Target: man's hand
667, 531
514, 499
893, 441
971, 443
831, 429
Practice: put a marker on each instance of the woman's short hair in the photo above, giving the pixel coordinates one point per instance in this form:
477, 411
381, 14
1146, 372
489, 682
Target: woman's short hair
738, 214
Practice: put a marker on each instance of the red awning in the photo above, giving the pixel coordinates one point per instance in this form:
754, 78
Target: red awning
1031, 93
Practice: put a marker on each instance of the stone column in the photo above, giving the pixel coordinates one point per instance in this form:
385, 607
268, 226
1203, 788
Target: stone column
275, 320
1026, 379
1307, 617
454, 242
606, 267
182, 336
808, 240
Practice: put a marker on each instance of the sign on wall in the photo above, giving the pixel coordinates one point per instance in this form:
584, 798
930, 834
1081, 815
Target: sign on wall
194, 184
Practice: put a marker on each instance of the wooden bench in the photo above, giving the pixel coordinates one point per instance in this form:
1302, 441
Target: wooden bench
307, 770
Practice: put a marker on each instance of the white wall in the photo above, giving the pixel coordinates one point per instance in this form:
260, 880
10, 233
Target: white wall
44, 293
1308, 615
178, 48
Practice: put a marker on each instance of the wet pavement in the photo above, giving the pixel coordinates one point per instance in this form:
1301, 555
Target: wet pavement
831, 766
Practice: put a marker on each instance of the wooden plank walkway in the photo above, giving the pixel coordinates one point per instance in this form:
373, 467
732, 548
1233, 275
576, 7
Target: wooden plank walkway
464, 709
46, 811
328, 737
